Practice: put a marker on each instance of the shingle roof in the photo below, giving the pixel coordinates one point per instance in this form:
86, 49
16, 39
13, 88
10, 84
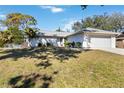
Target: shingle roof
99, 31
85, 30
54, 33
95, 31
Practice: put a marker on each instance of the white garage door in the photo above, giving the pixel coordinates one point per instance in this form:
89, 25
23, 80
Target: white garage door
100, 42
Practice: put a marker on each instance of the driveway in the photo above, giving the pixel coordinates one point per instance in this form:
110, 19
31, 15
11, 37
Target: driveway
114, 50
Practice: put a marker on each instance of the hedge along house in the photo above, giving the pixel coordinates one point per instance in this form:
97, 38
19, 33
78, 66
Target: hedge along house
88, 37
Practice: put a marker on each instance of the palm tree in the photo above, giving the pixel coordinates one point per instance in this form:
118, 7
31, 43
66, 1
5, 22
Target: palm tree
31, 33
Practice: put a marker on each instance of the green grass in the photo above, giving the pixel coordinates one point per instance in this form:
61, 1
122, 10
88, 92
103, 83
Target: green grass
60, 68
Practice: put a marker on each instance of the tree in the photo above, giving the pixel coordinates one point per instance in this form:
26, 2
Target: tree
58, 30
16, 35
113, 22
88, 22
19, 20
116, 20
85, 6
67, 30
16, 24
3, 38
11, 35
96, 21
31, 32
77, 26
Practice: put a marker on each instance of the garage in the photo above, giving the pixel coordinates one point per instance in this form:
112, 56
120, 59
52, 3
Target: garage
100, 42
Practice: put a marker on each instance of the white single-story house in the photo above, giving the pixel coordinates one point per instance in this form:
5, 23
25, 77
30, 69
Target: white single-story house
55, 38
88, 37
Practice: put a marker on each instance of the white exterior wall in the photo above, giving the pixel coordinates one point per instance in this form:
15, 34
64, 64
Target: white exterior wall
94, 41
63, 41
86, 41
76, 38
83, 38
58, 42
50, 40
113, 42
55, 41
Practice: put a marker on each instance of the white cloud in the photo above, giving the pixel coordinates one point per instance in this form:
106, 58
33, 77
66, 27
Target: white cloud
53, 9
2, 16
68, 25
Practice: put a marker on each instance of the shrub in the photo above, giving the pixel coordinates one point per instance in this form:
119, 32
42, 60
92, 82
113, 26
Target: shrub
2, 43
67, 44
78, 44
73, 44
49, 44
39, 45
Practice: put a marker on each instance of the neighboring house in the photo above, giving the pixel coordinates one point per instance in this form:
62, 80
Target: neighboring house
88, 37
120, 41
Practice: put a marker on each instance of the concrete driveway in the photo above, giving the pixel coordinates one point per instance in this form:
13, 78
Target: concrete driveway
114, 50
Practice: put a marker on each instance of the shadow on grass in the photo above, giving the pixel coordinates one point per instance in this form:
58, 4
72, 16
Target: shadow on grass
18, 53
58, 53
45, 55
44, 64
64, 54
29, 81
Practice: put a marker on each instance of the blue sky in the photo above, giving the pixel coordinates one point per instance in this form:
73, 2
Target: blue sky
51, 17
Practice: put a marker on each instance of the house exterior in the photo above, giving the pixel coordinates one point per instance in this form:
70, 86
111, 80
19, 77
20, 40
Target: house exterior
88, 37
120, 41
55, 38
94, 38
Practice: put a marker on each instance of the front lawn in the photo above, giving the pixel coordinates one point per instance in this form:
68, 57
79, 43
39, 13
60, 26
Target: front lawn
54, 67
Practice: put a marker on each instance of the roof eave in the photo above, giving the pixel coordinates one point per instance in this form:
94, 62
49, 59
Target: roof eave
103, 33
